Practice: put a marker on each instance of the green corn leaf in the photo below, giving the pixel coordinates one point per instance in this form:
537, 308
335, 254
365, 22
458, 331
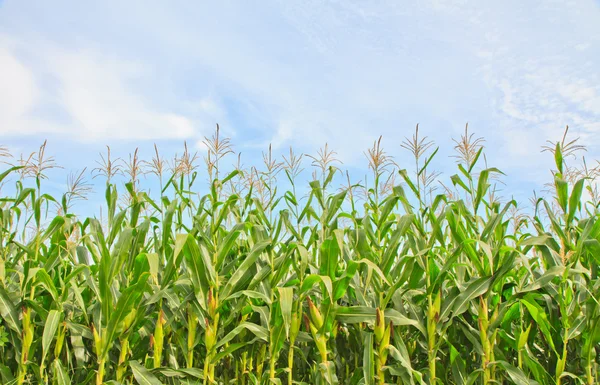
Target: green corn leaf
562, 192
61, 375
575, 199
128, 300
475, 288
257, 330
558, 158
244, 270
142, 375
368, 359
515, 374
311, 280
286, 298
8, 311
540, 317
50, 328
45, 281
228, 243
196, 265
482, 187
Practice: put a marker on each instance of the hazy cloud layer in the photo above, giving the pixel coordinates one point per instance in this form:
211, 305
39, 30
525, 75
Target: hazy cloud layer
304, 73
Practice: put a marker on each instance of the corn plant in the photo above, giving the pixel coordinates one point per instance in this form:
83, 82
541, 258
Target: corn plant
250, 275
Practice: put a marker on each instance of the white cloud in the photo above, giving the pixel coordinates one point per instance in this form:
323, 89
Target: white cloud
305, 73
98, 96
19, 92
16, 81
96, 93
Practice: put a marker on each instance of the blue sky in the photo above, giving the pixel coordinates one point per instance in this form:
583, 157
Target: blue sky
302, 73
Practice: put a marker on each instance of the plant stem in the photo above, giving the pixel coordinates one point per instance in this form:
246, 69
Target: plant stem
290, 363
100, 374
431, 329
485, 343
192, 321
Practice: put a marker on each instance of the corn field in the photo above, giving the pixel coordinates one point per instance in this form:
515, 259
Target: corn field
268, 278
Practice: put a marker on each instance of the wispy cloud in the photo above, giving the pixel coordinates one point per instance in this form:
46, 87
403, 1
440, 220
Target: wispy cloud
306, 73
85, 95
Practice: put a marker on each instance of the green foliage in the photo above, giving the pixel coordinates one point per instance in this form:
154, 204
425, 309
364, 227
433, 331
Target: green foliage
247, 285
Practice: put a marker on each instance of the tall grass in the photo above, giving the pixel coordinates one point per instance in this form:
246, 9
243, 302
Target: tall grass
398, 279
